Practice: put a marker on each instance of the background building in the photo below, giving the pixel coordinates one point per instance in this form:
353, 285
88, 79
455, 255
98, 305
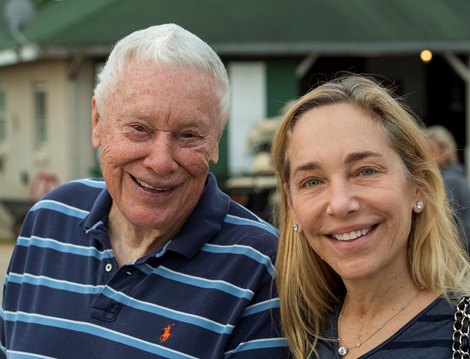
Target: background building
274, 51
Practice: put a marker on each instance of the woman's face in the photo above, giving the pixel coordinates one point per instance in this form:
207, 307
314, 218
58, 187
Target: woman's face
349, 192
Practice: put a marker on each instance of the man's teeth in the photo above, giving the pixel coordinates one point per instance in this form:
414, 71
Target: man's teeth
352, 235
145, 185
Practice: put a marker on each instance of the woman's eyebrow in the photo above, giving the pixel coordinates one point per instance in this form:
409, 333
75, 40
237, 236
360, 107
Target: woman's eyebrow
309, 166
357, 156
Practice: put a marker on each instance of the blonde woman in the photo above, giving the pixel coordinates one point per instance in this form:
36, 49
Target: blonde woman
369, 264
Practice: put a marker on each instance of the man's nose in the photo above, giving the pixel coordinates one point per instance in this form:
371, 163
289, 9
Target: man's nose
161, 154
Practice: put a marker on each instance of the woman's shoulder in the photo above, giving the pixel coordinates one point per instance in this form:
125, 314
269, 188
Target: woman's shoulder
427, 335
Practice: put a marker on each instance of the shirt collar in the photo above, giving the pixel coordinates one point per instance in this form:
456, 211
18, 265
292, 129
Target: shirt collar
205, 221
203, 224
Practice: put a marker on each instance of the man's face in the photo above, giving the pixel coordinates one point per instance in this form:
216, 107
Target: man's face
158, 131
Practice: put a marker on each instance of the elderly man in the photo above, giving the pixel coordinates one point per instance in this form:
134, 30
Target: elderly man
154, 260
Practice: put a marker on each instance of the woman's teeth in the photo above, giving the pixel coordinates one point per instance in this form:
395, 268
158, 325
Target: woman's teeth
351, 235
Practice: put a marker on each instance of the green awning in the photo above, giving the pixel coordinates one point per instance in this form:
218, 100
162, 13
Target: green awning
263, 27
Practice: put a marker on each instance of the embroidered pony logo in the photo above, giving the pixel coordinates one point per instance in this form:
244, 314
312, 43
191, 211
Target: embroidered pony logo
166, 333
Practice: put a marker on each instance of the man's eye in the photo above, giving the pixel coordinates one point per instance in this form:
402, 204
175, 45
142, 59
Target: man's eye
188, 135
139, 128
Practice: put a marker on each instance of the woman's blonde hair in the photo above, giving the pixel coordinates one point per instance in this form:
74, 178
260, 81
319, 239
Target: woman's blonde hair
308, 288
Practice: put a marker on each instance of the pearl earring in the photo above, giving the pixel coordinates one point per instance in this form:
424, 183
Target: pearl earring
295, 227
419, 205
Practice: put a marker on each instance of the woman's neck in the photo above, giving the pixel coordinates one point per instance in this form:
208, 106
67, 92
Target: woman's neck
371, 316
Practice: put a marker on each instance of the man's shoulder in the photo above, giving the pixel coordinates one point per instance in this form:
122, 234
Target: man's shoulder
242, 216
244, 228
75, 187
80, 193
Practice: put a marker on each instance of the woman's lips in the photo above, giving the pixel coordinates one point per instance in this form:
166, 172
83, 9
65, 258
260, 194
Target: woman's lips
349, 236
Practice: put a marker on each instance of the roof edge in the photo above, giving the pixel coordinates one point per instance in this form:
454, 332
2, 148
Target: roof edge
32, 52
339, 48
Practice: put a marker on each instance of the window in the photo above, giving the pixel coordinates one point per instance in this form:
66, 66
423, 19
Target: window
40, 114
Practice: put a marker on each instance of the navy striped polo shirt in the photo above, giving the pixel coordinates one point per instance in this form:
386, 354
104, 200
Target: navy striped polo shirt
207, 294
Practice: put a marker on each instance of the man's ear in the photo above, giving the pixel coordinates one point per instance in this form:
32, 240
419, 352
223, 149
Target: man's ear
95, 124
214, 156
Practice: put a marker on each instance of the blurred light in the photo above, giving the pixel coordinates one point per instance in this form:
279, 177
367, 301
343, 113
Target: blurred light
426, 56
8, 57
29, 53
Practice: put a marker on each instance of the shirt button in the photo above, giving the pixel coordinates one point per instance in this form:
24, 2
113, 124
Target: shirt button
108, 267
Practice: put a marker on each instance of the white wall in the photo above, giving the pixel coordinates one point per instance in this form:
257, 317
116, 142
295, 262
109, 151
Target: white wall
80, 92
248, 81
68, 153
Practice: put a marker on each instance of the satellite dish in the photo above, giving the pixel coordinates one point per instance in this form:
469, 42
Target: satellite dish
19, 13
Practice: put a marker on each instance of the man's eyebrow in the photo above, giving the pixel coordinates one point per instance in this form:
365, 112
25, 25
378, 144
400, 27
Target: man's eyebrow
188, 122
139, 116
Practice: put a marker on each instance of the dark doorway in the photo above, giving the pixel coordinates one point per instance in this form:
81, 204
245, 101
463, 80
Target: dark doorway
442, 97
446, 100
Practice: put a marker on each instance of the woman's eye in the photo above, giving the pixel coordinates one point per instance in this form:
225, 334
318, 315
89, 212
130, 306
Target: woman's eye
312, 182
367, 171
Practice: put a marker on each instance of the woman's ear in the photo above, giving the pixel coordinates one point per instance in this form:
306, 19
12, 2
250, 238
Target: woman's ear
296, 227
418, 201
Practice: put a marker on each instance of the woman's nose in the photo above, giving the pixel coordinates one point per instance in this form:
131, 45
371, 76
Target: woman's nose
342, 199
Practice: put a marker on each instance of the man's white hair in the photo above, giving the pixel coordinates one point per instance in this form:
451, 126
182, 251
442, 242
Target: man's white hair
168, 45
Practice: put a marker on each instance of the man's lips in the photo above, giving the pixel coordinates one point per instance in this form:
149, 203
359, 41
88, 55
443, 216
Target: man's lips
149, 187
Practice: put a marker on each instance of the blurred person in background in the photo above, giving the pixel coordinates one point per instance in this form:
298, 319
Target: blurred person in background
370, 263
153, 260
444, 151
